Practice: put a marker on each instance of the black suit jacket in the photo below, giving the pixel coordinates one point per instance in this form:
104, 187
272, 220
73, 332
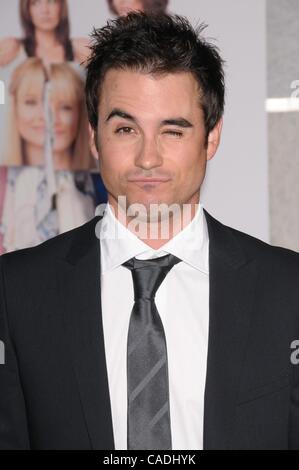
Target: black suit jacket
54, 390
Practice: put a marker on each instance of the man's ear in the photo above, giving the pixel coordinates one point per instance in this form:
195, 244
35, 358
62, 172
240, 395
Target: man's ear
93, 142
214, 139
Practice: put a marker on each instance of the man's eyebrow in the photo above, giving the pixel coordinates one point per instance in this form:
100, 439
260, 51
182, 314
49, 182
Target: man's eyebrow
181, 122
119, 113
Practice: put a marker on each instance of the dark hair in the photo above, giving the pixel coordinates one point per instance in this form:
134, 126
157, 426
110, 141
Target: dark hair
156, 44
150, 6
62, 31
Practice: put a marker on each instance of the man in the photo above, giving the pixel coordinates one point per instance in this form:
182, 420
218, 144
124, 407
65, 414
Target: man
120, 337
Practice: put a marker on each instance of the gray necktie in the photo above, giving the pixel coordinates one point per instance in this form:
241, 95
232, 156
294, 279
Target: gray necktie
148, 424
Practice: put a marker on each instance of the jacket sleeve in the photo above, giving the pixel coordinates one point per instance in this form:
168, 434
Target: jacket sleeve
13, 421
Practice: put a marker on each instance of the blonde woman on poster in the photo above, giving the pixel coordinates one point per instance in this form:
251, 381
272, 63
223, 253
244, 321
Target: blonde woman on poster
30, 215
26, 120
46, 34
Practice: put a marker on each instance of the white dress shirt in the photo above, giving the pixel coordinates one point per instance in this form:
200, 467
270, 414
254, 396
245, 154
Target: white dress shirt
182, 301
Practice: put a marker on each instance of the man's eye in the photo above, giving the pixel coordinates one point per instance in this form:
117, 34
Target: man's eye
124, 130
174, 133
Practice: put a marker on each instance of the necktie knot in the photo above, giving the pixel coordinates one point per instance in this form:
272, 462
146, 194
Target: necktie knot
149, 274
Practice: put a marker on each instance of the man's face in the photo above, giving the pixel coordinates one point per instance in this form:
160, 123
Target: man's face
152, 127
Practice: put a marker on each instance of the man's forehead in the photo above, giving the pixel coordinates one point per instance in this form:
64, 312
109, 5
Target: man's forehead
125, 86
114, 77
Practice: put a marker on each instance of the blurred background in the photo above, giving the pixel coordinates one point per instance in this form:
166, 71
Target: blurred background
49, 182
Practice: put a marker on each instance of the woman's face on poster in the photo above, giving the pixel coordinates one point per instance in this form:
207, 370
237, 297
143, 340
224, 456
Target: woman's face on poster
30, 114
31, 118
123, 7
45, 14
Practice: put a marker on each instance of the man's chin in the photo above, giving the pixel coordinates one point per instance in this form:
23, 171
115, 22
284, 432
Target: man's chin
149, 211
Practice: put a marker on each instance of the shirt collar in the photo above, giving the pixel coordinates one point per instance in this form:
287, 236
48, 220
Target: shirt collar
118, 244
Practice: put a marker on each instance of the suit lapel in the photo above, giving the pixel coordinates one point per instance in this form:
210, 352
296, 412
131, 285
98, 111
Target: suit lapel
232, 287
79, 286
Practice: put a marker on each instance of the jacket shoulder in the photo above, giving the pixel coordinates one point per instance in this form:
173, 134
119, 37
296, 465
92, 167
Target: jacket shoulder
265, 252
41, 255
253, 247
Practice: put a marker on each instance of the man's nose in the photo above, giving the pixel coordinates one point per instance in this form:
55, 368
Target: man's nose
149, 155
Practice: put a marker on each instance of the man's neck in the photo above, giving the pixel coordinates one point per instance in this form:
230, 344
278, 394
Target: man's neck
156, 233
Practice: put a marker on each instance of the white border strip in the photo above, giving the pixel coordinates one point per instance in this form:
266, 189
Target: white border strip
282, 105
